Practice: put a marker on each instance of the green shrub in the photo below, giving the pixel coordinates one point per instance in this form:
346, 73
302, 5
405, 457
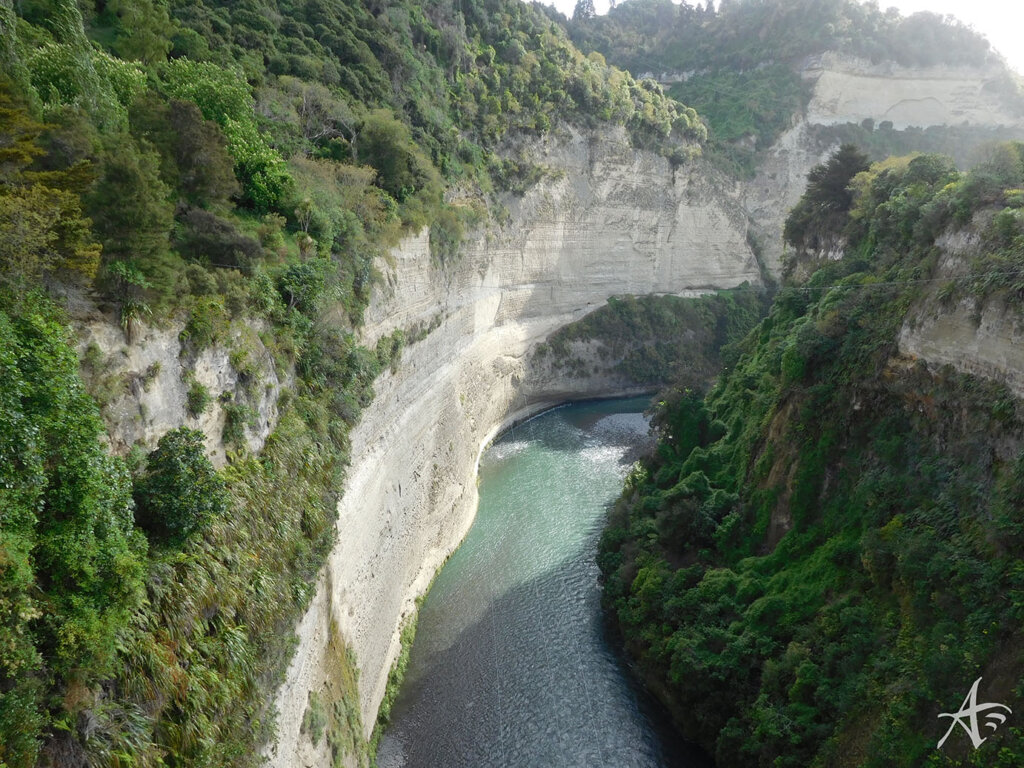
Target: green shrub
237, 416
302, 284
150, 374
314, 719
207, 323
181, 493
72, 562
197, 399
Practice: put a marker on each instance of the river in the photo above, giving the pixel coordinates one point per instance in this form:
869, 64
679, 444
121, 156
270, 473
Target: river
511, 667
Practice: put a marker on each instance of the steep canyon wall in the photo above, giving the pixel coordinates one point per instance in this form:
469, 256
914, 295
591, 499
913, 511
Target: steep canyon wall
608, 220
605, 220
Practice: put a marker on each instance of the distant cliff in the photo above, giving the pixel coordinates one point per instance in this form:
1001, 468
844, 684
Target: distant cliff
845, 90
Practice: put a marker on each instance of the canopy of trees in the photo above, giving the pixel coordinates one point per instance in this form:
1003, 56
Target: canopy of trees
816, 561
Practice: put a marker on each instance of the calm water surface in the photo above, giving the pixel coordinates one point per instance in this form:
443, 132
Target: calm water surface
511, 667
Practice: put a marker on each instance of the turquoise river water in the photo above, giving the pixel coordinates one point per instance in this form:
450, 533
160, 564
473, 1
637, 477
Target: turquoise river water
511, 667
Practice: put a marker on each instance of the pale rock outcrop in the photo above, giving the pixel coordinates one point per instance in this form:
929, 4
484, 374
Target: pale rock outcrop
983, 341
848, 89
148, 381
982, 338
607, 220
780, 181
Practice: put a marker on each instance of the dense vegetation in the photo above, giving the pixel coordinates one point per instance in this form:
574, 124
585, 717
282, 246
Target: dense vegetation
221, 134
655, 340
816, 225
741, 63
221, 167
823, 553
147, 608
226, 168
967, 145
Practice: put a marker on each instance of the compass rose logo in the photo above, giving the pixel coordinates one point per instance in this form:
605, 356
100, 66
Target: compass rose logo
967, 717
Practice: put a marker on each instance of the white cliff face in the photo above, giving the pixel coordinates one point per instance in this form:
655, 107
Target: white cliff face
983, 341
780, 181
616, 221
981, 338
608, 220
849, 90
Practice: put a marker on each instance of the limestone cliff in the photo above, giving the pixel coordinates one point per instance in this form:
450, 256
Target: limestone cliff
606, 220
612, 221
848, 90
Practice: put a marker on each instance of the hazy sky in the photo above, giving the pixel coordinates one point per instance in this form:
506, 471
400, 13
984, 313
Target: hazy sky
1001, 21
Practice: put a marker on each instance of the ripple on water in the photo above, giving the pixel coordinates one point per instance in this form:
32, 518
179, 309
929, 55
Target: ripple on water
503, 450
510, 668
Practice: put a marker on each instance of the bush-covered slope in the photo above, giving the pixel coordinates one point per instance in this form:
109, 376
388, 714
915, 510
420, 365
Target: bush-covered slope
305, 126
653, 340
824, 552
662, 36
225, 166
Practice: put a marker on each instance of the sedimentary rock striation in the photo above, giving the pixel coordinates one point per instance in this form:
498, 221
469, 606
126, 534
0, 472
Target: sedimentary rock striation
148, 381
976, 336
607, 220
848, 90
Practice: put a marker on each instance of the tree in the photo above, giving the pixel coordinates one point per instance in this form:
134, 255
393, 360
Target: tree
322, 116
145, 30
133, 215
193, 151
822, 212
223, 96
402, 168
584, 10
302, 283
260, 169
130, 204
42, 227
828, 183
181, 492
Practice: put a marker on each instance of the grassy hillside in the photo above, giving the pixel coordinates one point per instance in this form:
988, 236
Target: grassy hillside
823, 553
